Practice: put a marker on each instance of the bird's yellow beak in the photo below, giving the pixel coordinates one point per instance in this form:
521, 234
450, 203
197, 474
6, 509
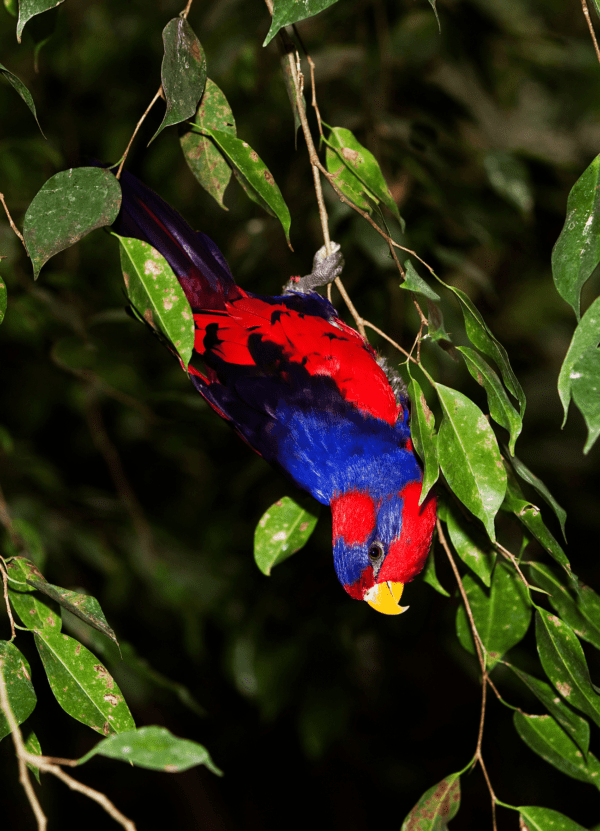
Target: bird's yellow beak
384, 597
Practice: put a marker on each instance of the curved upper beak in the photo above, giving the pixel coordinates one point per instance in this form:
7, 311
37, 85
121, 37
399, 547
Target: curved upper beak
384, 597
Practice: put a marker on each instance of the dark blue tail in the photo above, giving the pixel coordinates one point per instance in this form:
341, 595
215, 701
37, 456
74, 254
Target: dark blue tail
199, 265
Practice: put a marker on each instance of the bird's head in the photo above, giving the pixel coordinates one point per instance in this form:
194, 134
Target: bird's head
379, 544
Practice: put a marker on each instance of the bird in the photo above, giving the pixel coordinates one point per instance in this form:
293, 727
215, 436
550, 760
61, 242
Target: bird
308, 393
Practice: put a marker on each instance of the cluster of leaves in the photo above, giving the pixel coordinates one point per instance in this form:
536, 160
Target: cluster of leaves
477, 480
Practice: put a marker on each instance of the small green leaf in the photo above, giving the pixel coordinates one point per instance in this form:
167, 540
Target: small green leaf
539, 486
33, 612
204, 159
577, 250
509, 176
20, 87
248, 164
69, 206
501, 617
155, 748
3, 299
501, 410
545, 819
32, 745
183, 72
430, 576
422, 426
414, 282
156, 294
469, 456
20, 570
585, 337
547, 738
17, 678
436, 807
29, 8
286, 12
565, 665
82, 686
585, 387
281, 531
471, 545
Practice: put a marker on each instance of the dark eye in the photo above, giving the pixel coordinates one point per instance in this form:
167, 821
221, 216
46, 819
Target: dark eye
375, 551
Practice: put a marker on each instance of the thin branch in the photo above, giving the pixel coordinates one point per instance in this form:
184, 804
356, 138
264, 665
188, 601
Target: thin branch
12, 224
6, 600
135, 132
97, 796
586, 13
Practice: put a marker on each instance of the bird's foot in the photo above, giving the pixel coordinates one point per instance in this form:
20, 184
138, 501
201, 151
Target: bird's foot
325, 270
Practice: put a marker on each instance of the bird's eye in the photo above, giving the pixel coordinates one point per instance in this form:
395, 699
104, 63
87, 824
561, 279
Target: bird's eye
375, 551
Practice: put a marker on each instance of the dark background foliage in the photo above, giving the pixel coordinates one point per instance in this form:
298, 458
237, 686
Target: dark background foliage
319, 711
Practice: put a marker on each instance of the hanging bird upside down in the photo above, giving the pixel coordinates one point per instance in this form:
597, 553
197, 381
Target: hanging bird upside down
307, 393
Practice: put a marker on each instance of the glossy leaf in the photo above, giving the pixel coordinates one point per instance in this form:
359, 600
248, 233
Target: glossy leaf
347, 182
422, 426
203, 157
82, 686
577, 250
545, 819
286, 12
156, 294
364, 167
501, 615
429, 576
547, 738
17, 678
183, 72
471, 545
436, 807
536, 483
20, 570
68, 206
3, 299
469, 456
29, 8
501, 410
414, 282
565, 665
155, 748
33, 612
256, 175
509, 176
22, 90
585, 388
585, 338
282, 530
574, 725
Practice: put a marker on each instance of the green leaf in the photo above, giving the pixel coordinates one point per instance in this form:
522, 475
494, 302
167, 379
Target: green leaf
422, 427
469, 456
33, 612
155, 748
17, 678
32, 745
414, 282
436, 807
363, 165
509, 176
281, 531
257, 177
347, 182
82, 686
183, 72
575, 726
547, 738
286, 12
3, 299
501, 410
585, 388
156, 294
20, 570
585, 337
20, 87
69, 206
577, 250
565, 665
430, 576
572, 610
204, 159
471, 545
29, 8
501, 616
545, 819
539, 486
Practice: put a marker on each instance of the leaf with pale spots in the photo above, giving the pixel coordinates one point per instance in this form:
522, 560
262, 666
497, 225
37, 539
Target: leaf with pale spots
66, 208
287, 12
581, 351
501, 615
20, 87
155, 748
535, 818
156, 295
423, 436
82, 686
436, 807
548, 739
17, 678
282, 530
29, 8
469, 456
34, 613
